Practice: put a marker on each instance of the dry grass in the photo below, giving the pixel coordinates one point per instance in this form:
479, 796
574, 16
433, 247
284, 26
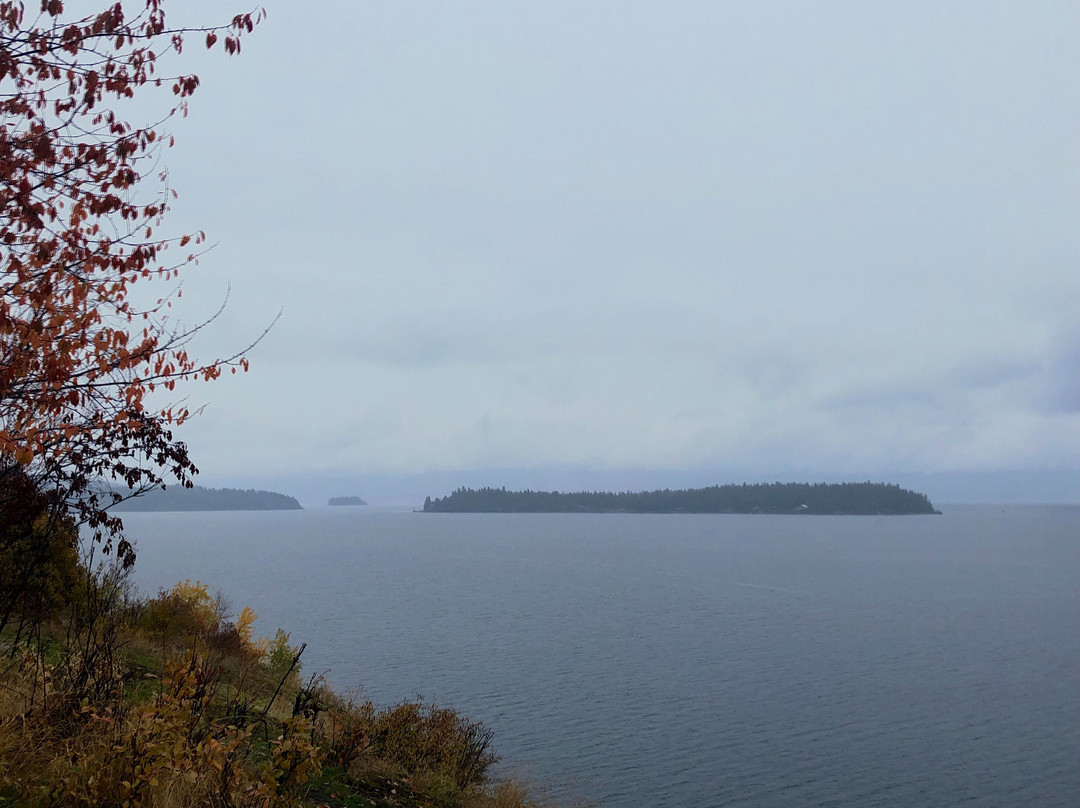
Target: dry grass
164, 702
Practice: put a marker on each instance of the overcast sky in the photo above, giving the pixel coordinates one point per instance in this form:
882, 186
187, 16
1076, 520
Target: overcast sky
832, 238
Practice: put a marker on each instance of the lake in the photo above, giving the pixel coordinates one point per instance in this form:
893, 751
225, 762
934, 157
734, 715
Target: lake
689, 660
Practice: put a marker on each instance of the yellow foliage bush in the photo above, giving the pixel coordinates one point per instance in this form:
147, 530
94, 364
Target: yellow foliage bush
196, 598
244, 625
174, 750
186, 609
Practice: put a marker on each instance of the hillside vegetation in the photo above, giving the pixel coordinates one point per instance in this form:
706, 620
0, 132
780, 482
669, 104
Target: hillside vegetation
110, 699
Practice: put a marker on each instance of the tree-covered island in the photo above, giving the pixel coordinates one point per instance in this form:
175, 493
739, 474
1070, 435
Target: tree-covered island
772, 498
346, 501
199, 498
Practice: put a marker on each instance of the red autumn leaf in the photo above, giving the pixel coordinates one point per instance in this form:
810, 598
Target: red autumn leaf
73, 376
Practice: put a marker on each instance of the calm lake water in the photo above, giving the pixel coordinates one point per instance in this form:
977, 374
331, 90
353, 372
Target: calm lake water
684, 660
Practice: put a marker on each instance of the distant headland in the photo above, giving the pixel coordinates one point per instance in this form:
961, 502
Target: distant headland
775, 498
209, 499
346, 501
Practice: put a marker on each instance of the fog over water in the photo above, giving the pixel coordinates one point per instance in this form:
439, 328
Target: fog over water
689, 659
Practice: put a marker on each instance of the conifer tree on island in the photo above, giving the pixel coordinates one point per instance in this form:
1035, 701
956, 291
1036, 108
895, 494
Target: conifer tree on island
82, 210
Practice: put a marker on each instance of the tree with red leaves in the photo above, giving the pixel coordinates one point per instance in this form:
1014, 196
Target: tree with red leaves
81, 204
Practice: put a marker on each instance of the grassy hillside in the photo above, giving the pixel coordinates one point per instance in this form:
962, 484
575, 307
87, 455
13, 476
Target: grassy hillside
108, 699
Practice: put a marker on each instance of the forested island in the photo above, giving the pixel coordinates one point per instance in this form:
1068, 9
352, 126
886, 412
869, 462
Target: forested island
199, 498
346, 501
772, 498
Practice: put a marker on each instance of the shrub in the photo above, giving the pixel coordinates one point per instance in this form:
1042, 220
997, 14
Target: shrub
39, 560
344, 727
424, 737
176, 749
282, 657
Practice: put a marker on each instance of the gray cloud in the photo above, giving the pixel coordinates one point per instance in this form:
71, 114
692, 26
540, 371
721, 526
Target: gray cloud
632, 235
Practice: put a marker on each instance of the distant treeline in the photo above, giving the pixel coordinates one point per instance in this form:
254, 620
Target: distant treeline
778, 498
346, 501
210, 499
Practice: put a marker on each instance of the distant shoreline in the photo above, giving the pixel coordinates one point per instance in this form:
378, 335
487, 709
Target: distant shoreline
614, 512
346, 502
199, 498
796, 499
